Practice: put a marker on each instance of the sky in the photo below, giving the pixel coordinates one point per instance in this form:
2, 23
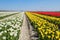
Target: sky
30, 5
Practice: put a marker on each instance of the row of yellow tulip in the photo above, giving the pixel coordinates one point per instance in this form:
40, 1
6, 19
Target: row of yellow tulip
46, 30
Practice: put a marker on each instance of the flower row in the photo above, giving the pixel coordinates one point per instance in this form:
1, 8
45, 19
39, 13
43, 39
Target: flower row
51, 19
10, 28
6, 14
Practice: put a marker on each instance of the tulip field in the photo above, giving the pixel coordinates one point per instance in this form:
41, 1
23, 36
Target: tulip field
47, 27
10, 27
29, 25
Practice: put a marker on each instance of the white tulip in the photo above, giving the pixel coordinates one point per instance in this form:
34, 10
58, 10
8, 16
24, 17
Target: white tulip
0, 33
15, 34
4, 37
5, 31
11, 29
16, 26
11, 33
9, 23
0, 28
5, 26
1, 25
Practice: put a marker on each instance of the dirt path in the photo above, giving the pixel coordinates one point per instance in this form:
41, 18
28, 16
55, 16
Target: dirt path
24, 34
33, 33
